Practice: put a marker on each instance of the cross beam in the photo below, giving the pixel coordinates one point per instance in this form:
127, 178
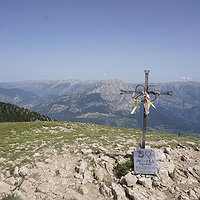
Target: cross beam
145, 94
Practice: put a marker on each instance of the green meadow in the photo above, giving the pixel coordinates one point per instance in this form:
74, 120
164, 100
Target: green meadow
22, 140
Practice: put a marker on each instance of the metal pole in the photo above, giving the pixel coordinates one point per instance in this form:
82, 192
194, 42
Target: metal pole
144, 115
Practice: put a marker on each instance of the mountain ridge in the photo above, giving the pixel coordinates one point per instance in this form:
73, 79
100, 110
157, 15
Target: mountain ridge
81, 100
13, 113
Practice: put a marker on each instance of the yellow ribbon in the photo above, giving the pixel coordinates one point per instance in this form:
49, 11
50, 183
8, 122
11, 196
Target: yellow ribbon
147, 106
137, 104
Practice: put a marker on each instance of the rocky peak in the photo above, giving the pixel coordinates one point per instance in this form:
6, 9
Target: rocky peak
82, 170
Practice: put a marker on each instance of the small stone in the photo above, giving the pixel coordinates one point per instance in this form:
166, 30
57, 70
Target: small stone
103, 150
16, 171
156, 182
7, 174
86, 151
82, 167
183, 158
23, 171
36, 154
172, 190
192, 194
2, 160
87, 177
5, 189
135, 194
11, 181
178, 146
197, 149
183, 197
84, 189
48, 160
99, 174
146, 182
104, 190
167, 150
160, 155
118, 192
130, 180
191, 143
130, 151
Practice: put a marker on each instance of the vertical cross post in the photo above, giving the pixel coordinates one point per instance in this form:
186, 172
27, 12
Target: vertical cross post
142, 94
145, 116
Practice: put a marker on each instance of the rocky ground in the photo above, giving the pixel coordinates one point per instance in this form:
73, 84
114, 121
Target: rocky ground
86, 172
80, 173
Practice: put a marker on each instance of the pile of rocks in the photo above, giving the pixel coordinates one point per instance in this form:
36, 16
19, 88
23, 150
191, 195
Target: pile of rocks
81, 173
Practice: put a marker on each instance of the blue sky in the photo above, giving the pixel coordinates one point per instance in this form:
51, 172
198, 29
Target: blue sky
100, 39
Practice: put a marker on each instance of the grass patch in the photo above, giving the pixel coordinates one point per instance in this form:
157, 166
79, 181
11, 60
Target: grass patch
123, 168
21, 140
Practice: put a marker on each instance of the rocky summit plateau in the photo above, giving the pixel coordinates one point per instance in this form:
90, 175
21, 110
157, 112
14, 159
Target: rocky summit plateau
82, 161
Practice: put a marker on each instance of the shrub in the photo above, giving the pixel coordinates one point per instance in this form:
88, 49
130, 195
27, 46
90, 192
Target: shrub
123, 168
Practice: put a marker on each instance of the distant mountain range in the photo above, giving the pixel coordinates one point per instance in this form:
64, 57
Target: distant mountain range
101, 102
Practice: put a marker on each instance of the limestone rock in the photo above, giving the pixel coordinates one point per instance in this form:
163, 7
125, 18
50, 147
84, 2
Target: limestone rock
160, 155
167, 150
99, 174
146, 182
82, 167
183, 158
118, 192
87, 177
16, 171
195, 171
86, 151
105, 190
4, 189
2, 160
166, 166
135, 194
23, 171
192, 194
129, 179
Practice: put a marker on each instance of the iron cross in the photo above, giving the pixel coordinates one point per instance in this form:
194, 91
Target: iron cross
147, 97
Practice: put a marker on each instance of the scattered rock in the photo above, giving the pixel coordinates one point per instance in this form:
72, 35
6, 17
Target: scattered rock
118, 192
82, 167
135, 193
146, 182
16, 171
36, 154
5, 189
69, 176
23, 171
178, 146
197, 149
99, 174
7, 174
86, 151
129, 179
48, 160
192, 194
167, 150
195, 171
160, 155
2, 160
183, 158
105, 190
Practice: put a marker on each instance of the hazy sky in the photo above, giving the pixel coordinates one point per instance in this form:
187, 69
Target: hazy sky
99, 39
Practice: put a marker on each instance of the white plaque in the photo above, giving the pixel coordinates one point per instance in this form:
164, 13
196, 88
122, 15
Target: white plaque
145, 161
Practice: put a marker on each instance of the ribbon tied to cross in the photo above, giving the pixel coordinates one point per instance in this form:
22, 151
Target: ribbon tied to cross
142, 95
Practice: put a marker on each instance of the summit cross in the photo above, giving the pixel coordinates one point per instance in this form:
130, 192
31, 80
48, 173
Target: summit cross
147, 97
